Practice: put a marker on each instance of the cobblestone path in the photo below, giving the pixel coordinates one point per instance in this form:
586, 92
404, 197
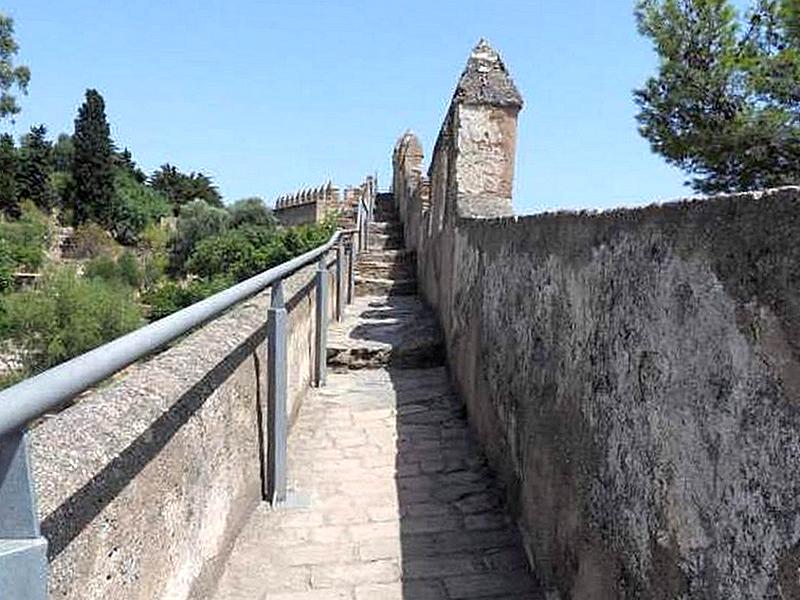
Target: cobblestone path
398, 502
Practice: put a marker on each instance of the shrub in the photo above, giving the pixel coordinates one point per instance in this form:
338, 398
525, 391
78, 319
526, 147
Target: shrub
197, 221
154, 258
251, 211
91, 240
27, 237
64, 315
229, 253
135, 207
171, 296
128, 269
123, 270
6, 265
103, 267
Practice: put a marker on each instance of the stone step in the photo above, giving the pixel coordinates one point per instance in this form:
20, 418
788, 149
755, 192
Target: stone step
381, 331
385, 217
383, 241
397, 269
387, 227
399, 255
379, 286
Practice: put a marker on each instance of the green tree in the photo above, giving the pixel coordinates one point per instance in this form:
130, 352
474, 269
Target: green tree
182, 188
197, 221
125, 162
9, 167
61, 156
13, 78
93, 163
135, 206
35, 167
723, 106
201, 187
251, 211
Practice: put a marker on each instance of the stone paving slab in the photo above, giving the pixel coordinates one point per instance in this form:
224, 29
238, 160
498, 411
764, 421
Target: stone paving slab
385, 330
400, 503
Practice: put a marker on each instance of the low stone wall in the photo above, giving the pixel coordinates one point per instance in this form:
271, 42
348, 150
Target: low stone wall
633, 375
144, 483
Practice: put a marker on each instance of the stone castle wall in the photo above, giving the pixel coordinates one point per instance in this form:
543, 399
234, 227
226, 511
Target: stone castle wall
307, 206
312, 206
634, 375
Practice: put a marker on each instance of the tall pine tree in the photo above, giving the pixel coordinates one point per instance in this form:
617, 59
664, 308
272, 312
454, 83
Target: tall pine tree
33, 176
9, 164
93, 162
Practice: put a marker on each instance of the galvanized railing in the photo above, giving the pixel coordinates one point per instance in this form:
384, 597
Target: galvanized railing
23, 550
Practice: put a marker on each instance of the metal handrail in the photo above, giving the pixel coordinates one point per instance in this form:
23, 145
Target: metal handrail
23, 550
33, 397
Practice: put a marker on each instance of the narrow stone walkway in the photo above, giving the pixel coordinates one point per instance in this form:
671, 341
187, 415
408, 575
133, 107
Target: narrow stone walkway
395, 498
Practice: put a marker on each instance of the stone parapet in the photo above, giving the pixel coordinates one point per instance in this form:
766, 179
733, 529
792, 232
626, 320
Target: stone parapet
145, 482
632, 374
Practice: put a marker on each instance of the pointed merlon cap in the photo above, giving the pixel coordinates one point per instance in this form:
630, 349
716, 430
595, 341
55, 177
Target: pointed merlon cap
485, 80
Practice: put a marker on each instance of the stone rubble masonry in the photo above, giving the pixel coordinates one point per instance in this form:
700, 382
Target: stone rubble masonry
144, 483
633, 375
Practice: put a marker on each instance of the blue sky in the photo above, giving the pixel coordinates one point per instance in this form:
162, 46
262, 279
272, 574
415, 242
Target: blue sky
267, 97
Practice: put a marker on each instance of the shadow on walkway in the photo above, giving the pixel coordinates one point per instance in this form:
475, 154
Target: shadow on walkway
456, 539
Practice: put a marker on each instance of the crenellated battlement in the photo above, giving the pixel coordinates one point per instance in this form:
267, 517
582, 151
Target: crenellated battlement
311, 205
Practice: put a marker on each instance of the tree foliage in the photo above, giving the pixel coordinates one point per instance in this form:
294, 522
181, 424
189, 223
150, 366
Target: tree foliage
724, 104
135, 206
14, 78
9, 171
197, 221
93, 163
35, 156
125, 163
251, 211
249, 250
62, 153
182, 188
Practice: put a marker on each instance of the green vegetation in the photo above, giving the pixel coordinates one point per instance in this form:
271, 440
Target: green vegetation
169, 296
64, 315
93, 163
26, 238
141, 247
14, 77
182, 189
724, 105
33, 173
135, 207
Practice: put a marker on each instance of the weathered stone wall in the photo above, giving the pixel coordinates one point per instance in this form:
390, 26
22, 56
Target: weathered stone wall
307, 206
143, 484
634, 375
312, 206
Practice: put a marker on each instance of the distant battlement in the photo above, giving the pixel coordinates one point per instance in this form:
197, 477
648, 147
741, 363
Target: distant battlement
311, 205
307, 205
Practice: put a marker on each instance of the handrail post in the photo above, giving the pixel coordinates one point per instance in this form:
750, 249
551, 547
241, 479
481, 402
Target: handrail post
351, 271
322, 319
276, 482
340, 280
23, 550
